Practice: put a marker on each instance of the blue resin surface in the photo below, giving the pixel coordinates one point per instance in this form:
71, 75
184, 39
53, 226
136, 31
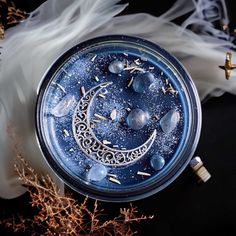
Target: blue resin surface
108, 112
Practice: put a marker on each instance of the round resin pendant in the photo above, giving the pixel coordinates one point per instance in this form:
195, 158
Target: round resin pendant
118, 118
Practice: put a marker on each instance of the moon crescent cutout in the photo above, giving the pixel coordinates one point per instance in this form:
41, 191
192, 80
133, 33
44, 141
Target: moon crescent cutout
92, 146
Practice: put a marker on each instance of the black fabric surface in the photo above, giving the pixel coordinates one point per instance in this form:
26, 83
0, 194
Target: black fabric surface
185, 207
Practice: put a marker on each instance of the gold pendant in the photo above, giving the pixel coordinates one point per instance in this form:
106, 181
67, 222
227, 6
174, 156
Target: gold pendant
228, 66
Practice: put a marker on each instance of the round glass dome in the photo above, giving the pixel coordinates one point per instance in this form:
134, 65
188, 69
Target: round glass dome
118, 118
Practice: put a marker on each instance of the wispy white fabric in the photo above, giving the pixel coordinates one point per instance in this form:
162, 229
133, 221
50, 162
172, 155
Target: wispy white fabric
57, 25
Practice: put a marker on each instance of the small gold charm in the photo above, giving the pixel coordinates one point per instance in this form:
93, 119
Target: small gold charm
198, 168
228, 66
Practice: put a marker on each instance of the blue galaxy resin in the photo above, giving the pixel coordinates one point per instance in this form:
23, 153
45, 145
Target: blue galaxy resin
89, 68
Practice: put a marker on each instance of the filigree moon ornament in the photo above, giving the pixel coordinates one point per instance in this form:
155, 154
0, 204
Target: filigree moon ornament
93, 147
117, 118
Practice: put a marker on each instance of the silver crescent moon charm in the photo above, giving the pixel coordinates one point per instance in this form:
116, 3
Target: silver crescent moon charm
90, 144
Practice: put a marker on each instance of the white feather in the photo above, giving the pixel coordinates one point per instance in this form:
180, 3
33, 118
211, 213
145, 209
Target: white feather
28, 50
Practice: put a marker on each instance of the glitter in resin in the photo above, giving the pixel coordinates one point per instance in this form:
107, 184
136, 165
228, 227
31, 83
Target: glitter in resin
95, 92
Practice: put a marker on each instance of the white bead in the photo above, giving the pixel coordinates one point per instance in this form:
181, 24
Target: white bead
97, 173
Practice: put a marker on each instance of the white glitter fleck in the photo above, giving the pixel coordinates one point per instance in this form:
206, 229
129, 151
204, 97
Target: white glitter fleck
100, 116
66, 133
82, 89
64, 71
138, 69
163, 90
101, 95
97, 121
155, 116
104, 86
129, 68
60, 86
94, 57
92, 125
114, 180
171, 90
106, 142
130, 82
96, 78
143, 173
143, 58
112, 175
113, 114
137, 62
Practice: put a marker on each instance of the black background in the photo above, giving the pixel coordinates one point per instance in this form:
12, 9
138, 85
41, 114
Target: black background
186, 207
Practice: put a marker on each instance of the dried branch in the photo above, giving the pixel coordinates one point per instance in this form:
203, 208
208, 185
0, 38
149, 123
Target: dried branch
10, 15
63, 215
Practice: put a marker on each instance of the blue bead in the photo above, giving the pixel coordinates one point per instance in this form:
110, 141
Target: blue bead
116, 67
137, 119
157, 162
97, 173
143, 82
